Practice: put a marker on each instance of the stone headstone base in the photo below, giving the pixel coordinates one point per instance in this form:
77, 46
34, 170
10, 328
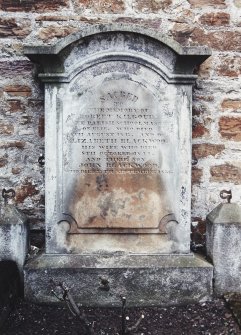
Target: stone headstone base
100, 280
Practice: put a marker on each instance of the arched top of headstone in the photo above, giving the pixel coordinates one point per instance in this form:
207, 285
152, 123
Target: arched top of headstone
117, 27
183, 60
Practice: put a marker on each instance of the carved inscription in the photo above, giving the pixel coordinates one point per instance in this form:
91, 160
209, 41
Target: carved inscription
118, 156
114, 134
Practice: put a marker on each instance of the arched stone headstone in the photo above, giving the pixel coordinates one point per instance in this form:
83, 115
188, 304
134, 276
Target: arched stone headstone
118, 104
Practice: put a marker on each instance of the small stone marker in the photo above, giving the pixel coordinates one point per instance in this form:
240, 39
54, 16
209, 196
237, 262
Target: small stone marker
13, 233
224, 248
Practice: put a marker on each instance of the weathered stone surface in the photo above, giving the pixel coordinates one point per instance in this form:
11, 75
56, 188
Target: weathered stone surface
215, 19
225, 214
27, 189
196, 54
201, 3
16, 170
11, 50
196, 175
117, 142
12, 144
10, 27
206, 149
208, 95
221, 66
36, 104
32, 5
104, 180
223, 247
76, 19
16, 106
10, 69
18, 90
206, 67
237, 3
197, 110
6, 129
185, 16
26, 120
230, 66
102, 196
152, 6
222, 40
182, 32
145, 280
41, 126
13, 236
199, 130
231, 104
3, 161
226, 173
55, 31
152, 23
101, 6
129, 242
198, 96
230, 128
55, 18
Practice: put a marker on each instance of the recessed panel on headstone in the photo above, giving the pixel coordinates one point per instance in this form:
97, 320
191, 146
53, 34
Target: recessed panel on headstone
119, 140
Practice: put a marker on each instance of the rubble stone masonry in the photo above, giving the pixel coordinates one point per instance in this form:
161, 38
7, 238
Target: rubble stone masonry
216, 95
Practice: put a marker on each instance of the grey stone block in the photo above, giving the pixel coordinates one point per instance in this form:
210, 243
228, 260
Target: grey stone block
224, 248
144, 279
13, 236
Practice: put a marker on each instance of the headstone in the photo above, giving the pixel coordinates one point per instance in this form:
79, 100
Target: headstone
118, 103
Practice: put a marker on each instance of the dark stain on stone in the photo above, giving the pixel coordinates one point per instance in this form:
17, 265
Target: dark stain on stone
133, 197
102, 183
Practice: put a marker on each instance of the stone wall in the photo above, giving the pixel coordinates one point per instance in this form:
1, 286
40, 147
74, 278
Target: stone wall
217, 102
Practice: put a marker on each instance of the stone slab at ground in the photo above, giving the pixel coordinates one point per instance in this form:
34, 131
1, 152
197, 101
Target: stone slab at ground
212, 318
148, 280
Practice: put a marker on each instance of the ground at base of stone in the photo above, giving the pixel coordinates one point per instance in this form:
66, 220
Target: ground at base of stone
234, 302
209, 318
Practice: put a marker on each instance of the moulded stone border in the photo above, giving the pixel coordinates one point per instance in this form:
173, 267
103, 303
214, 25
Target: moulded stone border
105, 57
